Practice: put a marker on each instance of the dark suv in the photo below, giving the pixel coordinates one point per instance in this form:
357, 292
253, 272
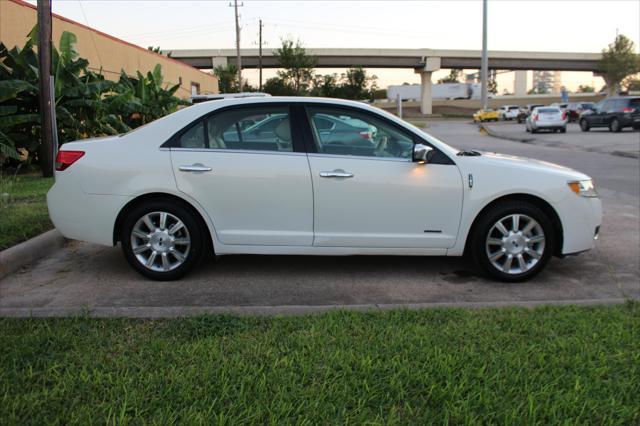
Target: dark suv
614, 113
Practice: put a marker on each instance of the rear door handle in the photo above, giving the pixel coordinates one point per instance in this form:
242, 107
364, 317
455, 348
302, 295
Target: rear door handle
195, 168
336, 174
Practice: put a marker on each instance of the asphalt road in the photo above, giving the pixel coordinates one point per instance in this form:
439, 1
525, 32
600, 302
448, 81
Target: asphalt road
85, 278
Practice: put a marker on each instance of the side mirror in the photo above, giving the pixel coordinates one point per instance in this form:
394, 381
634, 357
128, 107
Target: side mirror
421, 153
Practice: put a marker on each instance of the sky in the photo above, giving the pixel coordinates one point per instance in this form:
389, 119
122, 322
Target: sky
543, 25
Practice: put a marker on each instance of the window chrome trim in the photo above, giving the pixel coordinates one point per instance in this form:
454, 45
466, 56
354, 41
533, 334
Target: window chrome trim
360, 157
236, 151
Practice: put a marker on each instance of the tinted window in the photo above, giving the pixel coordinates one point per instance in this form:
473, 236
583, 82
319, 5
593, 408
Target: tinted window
359, 134
194, 137
322, 124
260, 129
634, 103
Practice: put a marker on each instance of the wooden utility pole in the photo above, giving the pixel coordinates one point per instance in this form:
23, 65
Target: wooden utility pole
46, 102
238, 57
260, 56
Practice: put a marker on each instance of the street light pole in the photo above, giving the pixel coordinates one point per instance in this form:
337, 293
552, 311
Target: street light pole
260, 56
484, 70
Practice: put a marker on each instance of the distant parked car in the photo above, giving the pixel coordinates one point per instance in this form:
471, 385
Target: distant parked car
548, 118
485, 115
576, 108
508, 112
526, 111
614, 113
562, 106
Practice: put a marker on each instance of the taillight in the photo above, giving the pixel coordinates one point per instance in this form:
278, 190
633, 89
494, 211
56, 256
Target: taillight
365, 135
628, 110
64, 159
535, 117
564, 115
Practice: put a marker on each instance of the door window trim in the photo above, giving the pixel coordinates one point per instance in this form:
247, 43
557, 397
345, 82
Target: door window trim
296, 139
312, 150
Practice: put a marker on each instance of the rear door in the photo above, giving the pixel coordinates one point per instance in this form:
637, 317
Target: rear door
249, 171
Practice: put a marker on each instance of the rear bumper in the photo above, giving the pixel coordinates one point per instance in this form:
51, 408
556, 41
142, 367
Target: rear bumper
550, 124
81, 216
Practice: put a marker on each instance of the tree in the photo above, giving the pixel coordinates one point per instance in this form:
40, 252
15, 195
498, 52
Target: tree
632, 84
618, 61
453, 77
227, 78
492, 85
325, 85
586, 89
296, 66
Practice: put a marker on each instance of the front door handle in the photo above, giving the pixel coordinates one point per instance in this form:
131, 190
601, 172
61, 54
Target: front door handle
195, 168
336, 174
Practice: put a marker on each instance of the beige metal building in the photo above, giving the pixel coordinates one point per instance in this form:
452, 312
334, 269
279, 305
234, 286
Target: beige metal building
104, 52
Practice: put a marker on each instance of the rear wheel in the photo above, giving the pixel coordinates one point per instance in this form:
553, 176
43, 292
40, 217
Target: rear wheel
584, 126
162, 241
614, 126
563, 130
513, 241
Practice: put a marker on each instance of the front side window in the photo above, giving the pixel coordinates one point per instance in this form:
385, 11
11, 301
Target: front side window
259, 129
347, 132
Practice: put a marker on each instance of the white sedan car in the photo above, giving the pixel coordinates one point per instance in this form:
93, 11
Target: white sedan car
311, 176
550, 118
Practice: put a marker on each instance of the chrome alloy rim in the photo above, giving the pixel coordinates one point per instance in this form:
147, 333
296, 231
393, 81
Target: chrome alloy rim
160, 241
515, 244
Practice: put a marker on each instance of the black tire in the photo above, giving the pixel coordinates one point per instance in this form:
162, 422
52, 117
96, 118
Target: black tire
534, 130
563, 130
193, 255
482, 228
584, 125
614, 126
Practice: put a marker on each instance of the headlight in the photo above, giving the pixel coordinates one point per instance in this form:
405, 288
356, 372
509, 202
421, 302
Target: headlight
584, 188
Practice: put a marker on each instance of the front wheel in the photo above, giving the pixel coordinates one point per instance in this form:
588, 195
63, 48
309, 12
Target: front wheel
513, 241
162, 241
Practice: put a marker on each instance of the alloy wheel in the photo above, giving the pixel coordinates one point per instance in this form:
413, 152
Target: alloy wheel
515, 244
160, 241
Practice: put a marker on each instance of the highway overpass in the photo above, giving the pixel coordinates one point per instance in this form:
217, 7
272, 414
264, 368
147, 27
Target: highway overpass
423, 61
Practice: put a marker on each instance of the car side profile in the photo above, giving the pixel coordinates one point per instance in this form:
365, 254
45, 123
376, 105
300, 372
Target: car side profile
614, 113
203, 180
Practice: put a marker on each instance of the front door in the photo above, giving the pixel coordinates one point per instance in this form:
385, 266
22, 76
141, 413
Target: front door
241, 165
368, 192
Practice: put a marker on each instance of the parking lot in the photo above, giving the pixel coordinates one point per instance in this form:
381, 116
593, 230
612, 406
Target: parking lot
85, 278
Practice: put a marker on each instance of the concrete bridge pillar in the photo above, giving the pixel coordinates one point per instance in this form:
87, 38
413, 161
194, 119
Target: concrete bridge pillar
426, 101
218, 60
520, 83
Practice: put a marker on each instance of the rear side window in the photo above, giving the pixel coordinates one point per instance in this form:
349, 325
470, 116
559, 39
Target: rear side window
194, 137
634, 103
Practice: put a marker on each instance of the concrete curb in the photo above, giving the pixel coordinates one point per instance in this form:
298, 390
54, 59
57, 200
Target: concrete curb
29, 251
495, 134
155, 312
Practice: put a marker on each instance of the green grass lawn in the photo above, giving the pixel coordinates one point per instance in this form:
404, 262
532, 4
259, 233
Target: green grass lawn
23, 208
571, 365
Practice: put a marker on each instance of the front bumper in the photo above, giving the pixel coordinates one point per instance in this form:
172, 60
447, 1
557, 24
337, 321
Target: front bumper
581, 219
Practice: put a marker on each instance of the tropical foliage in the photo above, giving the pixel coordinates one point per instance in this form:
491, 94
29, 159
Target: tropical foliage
86, 104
